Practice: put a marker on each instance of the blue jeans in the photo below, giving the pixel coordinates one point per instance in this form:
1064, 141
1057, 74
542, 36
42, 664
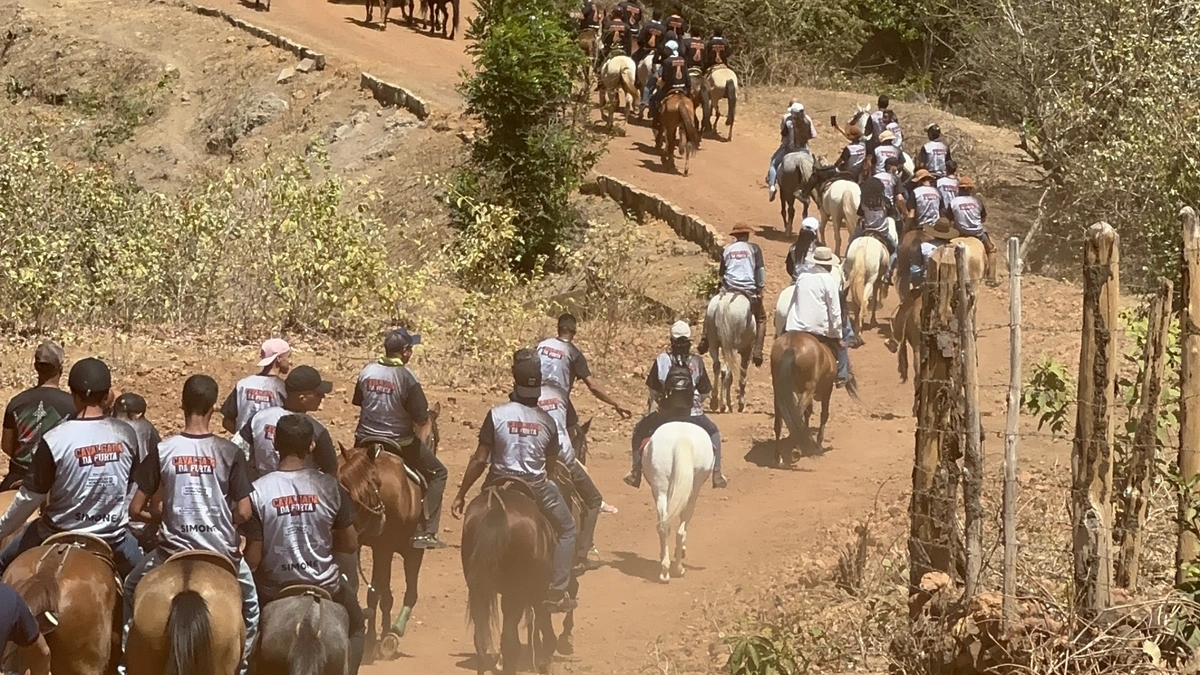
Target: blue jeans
843, 356
126, 554
245, 582
554, 507
776, 160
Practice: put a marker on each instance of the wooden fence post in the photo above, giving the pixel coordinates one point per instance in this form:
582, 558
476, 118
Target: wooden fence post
1139, 478
1186, 549
1092, 457
1010, 430
973, 454
932, 542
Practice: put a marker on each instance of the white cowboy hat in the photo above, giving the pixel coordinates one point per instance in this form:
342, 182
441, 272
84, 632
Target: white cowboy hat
811, 224
824, 256
887, 136
681, 329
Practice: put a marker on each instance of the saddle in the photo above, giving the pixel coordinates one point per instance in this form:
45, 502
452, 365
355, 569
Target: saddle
881, 238
87, 542
304, 589
57, 546
695, 71
205, 556
374, 445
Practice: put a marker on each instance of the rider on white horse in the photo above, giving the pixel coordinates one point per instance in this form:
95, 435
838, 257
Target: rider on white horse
792, 138
743, 271
876, 210
717, 50
817, 309
681, 383
693, 49
854, 155
518, 440
614, 38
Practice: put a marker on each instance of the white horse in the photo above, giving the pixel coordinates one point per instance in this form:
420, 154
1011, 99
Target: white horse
839, 209
617, 82
730, 327
861, 114
677, 462
866, 288
783, 304
721, 83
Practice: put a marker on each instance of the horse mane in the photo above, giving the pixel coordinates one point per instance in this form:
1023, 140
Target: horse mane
360, 477
307, 655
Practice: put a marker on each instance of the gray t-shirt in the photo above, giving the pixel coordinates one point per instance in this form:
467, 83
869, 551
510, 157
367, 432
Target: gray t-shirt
555, 403
928, 205
259, 434
519, 437
392, 402
83, 468
199, 477
251, 394
295, 516
562, 363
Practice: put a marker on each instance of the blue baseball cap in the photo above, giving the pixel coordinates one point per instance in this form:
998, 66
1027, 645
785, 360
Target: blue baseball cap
399, 340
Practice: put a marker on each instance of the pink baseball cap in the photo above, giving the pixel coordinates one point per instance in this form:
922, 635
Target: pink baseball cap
271, 350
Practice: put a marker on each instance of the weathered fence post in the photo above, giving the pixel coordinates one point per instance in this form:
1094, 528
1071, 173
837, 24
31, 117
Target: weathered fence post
1189, 384
1010, 430
1139, 478
973, 455
1092, 457
931, 543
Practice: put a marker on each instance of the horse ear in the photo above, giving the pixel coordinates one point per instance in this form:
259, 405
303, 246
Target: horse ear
583, 428
435, 410
342, 448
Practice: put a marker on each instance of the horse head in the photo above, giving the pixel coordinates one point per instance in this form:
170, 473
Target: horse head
859, 119
579, 440
359, 475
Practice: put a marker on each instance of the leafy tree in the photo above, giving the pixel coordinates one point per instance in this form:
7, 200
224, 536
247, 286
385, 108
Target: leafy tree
534, 148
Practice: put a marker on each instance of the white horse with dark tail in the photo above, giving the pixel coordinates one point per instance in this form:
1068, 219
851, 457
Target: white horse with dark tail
677, 462
730, 327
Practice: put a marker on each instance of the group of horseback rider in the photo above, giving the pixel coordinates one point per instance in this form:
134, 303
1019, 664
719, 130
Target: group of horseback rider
874, 159
678, 52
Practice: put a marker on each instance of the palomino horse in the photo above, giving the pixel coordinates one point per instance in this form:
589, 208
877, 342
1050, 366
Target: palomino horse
187, 618
440, 19
867, 261
838, 197
303, 631
389, 502
720, 83
507, 551
794, 171
676, 113
677, 462
909, 254
802, 368
616, 83
71, 588
588, 45
730, 326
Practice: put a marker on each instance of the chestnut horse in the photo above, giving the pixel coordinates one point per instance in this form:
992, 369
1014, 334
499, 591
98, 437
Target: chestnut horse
389, 506
71, 588
507, 551
803, 369
675, 112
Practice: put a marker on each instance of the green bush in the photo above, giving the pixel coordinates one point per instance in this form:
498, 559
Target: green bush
268, 248
534, 147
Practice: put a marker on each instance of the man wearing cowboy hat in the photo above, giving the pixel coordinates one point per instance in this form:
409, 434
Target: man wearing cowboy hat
743, 271
796, 129
927, 201
941, 232
854, 155
817, 309
881, 153
969, 216
934, 154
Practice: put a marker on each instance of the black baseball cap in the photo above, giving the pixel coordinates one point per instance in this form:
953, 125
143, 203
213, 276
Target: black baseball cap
89, 376
130, 403
49, 353
399, 340
304, 379
527, 374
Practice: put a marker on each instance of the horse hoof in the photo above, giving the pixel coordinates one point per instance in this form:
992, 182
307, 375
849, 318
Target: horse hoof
566, 644
665, 577
741, 407
677, 571
389, 646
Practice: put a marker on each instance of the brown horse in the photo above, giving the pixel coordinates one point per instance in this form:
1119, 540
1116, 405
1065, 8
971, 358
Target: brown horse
906, 333
385, 8
71, 587
389, 506
187, 618
507, 550
440, 18
803, 368
674, 113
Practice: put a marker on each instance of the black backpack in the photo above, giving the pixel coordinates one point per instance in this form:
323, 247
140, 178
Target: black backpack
679, 390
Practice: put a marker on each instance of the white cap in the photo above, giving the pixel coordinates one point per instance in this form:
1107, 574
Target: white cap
796, 108
681, 329
672, 45
811, 224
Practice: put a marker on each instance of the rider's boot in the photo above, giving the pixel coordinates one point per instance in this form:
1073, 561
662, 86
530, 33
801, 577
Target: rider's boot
718, 478
634, 478
760, 335
702, 345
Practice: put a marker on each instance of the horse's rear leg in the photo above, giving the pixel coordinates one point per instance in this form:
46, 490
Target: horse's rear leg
543, 641
716, 369
742, 379
778, 432
512, 611
664, 534
372, 646
413, 557
566, 642
677, 568
824, 421
385, 9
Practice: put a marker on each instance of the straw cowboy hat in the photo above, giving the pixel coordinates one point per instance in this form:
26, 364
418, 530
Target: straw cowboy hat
742, 228
966, 183
824, 256
921, 175
887, 136
942, 230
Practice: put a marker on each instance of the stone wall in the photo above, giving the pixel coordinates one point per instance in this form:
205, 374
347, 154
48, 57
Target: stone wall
687, 226
257, 31
392, 94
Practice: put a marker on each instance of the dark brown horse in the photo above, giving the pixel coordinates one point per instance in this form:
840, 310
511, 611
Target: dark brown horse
906, 333
674, 113
385, 8
804, 369
440, 17
507, 550
389, 506
71, 587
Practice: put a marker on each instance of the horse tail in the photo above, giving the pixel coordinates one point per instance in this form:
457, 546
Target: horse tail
688, 119
188, 624
683, 479
727, 336
856, 277
455, 3
307, 656
731, 99
482, 569
784, 382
